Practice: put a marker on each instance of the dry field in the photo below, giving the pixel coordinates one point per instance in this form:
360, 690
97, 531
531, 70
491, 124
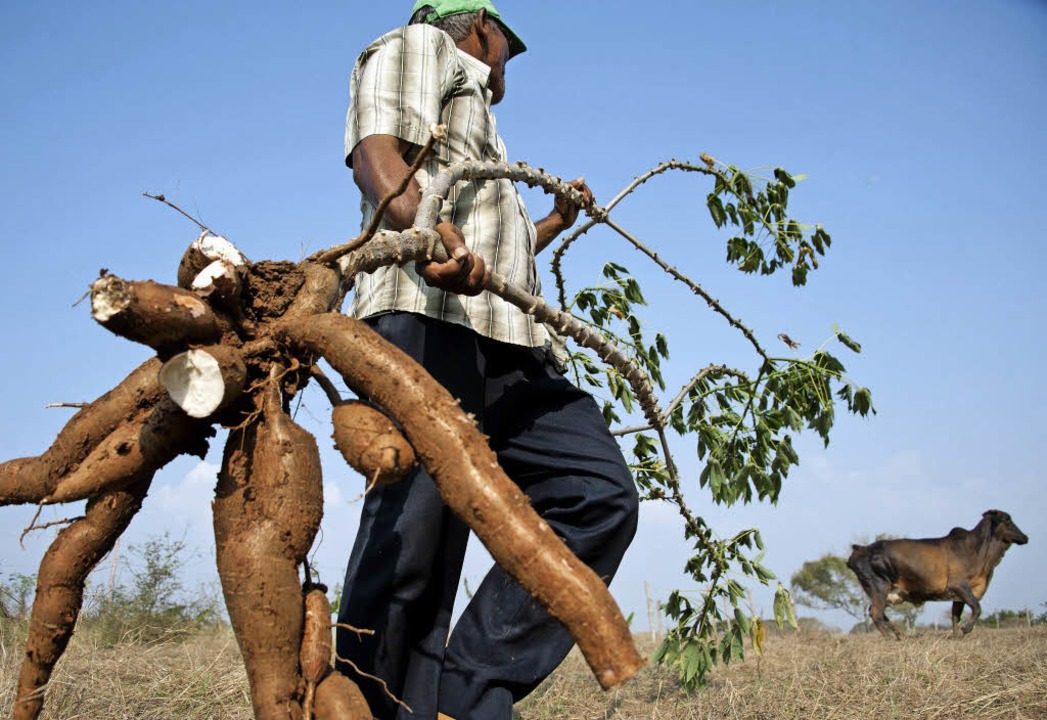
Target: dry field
990, 674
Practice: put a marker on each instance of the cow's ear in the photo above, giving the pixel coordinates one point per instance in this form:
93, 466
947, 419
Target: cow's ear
996, 517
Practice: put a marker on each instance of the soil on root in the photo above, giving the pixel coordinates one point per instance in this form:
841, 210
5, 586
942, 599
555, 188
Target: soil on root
269, 289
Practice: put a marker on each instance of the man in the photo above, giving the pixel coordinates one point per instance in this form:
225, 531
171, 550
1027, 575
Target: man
448, 66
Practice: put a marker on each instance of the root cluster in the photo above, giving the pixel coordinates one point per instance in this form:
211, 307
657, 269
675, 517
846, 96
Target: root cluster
234, 341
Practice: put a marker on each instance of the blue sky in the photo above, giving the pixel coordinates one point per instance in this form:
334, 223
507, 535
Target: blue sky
918, 126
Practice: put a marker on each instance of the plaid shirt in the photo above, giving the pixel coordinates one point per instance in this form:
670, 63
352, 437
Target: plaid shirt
402, 83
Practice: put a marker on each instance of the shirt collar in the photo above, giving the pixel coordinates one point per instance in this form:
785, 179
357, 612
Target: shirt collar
476, 70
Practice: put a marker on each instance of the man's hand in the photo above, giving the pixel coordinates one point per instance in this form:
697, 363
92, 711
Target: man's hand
563, 216
464, 272
568, 211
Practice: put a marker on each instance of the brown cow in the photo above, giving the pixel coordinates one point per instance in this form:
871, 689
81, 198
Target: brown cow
957, 567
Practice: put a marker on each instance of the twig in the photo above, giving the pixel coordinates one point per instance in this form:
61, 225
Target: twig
256, 389
436, 132
695, 287
558, 253
370, 486
33, 526
170, 204
669, 464
379, 680
67, 405
350, 628
705, 372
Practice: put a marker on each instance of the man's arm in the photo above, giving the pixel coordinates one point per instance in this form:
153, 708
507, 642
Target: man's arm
378, 169
563, 216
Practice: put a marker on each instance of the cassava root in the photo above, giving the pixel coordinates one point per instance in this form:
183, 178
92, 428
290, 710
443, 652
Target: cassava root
475, 487
60, 586
267, 510
316, 652
371, 443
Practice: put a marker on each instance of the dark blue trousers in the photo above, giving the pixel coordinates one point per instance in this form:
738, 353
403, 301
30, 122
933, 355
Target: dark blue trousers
403, 574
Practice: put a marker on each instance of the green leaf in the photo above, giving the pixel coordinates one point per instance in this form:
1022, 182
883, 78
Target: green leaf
690, 663
800, 274
783, 177
716, 209
781, 605
632, 292
714, 477
662, 344
763, 574
783, 610
741, 182
848, 341
742, 620
737, 645
826, 361
863, 402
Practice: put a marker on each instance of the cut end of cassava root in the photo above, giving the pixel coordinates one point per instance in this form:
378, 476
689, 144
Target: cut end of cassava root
203, 380
218, 281
109, 297
204, 251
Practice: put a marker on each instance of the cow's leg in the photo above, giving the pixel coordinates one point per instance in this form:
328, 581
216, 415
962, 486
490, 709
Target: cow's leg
957, 611
878, 594
876, 589
968, 598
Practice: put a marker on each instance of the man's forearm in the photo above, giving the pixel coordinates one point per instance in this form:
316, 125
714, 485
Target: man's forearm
379, 169
563, 216
548, 229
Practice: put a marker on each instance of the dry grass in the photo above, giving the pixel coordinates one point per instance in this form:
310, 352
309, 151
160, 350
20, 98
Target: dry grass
200, 678
990, 674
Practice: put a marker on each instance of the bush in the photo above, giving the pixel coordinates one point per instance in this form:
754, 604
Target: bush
16, 596
156, 607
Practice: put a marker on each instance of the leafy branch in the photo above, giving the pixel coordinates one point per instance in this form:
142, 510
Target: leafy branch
743, 421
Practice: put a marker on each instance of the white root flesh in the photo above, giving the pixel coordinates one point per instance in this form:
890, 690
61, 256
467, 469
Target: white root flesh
202, 381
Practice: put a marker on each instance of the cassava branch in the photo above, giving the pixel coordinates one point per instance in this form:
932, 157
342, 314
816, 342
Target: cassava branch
60, 586
473, 485
389, 247
437, 191
662, 167
421, 243
436, 132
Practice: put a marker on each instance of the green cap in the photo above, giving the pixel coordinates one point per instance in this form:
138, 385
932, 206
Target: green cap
445, 8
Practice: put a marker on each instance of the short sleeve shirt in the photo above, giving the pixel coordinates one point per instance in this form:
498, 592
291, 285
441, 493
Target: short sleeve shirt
401, 84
